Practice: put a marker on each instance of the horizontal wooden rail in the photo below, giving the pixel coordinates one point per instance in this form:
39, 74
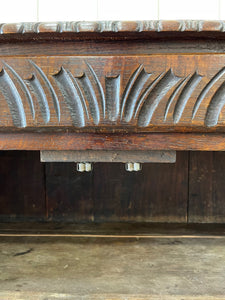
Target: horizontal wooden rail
100, 141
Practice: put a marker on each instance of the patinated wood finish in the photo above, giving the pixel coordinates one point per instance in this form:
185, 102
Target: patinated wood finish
112, 85
147, 93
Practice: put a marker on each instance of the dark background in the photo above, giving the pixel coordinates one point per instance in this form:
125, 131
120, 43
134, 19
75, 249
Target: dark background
191, 190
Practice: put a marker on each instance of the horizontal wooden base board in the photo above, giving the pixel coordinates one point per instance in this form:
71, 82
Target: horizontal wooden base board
112, 229
100, 141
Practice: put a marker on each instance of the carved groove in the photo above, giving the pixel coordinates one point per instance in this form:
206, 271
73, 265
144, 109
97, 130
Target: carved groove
71, 97
13, 99
128, 87
100, 89
132, 92
24, 88
174, 94
83, 102
185, 95
112, 86
91, 97
155, 96
206, 89
38, 91
134, 95
90, 104
49, 86
145, 93
215, 106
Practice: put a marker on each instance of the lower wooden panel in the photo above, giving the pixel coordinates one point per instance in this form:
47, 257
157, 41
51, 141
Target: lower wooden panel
206, 187
22, 185
158, 193
68, 193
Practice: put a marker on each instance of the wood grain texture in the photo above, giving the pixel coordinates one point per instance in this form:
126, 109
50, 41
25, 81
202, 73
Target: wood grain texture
68, 193
158, 193
110, 194
140, 76
206, 187
22, 186
146, 93
122, 86
101, 141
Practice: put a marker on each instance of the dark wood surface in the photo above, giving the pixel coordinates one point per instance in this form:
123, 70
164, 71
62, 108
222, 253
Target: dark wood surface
191, 190
22, 186
114, 141
158, 193
170, 92
109, 193
111, 229
206, 188
119, 76
68, 193
149, 85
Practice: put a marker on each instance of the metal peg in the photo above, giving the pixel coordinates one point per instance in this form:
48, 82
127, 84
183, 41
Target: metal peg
130, 167
84, 167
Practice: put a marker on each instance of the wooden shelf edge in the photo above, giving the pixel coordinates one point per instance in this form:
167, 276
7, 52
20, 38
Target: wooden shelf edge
99, 141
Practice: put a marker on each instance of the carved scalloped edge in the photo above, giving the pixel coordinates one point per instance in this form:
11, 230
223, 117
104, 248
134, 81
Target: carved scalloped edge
114, 26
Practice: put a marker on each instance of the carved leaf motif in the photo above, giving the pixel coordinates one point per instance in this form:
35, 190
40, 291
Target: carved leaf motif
14, 101
90, 104
71, 96
185, 95
155, 96
38, 91
49, 86
24, 88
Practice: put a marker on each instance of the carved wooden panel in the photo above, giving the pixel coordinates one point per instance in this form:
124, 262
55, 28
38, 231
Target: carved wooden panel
155, 92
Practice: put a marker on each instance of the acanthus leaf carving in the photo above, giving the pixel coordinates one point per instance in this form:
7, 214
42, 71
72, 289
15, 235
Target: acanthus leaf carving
93, 103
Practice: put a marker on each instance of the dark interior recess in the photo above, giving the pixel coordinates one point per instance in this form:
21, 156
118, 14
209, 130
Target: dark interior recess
190, 191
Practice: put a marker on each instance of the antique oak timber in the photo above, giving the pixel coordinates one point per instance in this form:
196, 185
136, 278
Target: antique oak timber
115, 86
